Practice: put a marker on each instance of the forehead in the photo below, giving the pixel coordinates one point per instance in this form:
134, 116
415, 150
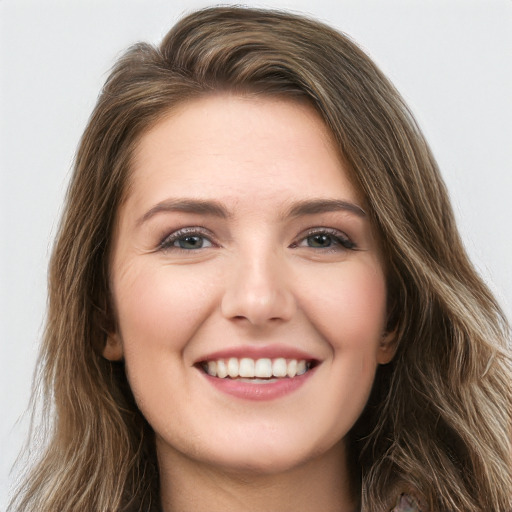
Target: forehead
235, 144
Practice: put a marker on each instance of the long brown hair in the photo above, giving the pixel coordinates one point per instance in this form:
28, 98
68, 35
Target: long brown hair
439, 418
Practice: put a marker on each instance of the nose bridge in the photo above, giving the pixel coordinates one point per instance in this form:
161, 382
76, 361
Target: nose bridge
258, 289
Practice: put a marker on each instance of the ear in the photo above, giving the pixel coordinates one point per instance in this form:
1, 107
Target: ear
113, 350
387, 347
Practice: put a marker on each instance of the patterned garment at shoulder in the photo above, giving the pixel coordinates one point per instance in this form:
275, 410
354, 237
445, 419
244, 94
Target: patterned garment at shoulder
407, 503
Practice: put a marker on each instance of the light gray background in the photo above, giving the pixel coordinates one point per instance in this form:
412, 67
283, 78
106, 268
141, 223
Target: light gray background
450, 59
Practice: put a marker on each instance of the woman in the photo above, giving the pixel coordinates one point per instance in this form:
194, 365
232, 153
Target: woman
258, 296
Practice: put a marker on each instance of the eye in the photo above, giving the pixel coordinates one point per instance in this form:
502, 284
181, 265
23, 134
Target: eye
187, 239
325, 238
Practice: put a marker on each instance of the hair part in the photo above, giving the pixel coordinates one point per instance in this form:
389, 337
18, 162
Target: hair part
439, 419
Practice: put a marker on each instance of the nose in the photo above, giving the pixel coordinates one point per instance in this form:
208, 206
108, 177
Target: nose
259, 291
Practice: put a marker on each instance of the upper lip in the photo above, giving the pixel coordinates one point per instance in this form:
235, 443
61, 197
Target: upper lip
258, 352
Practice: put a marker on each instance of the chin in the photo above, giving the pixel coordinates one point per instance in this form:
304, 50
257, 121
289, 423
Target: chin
265, 464
272, 458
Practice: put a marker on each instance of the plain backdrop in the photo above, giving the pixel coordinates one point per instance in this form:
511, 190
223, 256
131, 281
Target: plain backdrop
450, 59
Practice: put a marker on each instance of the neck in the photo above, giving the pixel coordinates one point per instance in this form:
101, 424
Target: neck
319, 484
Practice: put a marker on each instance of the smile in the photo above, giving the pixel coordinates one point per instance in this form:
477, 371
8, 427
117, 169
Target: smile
263, 368
258, 372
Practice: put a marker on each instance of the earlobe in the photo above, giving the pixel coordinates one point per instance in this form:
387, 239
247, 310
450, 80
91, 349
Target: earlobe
113, 350
387, 347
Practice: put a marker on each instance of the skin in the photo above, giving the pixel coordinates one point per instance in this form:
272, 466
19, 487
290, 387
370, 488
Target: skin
260, 279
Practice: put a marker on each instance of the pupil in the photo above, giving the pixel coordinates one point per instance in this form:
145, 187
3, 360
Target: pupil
320, 241
191, 242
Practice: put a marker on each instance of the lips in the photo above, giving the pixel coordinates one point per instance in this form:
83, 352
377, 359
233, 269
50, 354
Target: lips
257, 373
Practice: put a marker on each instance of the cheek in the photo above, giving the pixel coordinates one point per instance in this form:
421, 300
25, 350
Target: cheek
159, 308
351, 317
350, 309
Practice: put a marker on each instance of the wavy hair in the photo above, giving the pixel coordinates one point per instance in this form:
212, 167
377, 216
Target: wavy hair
438, 421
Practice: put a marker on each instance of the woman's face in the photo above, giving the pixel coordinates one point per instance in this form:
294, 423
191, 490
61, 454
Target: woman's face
243, 249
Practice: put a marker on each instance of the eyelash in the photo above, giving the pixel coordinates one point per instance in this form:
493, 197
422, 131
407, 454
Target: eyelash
168, 242
338, 239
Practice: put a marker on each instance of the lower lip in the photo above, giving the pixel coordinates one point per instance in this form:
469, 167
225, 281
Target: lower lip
259, 391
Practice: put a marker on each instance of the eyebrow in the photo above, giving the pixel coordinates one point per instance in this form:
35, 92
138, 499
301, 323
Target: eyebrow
216, 209
315, 206
199, 206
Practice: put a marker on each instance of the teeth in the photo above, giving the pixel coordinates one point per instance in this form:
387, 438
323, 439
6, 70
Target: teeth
279, 368
233, 367
211, 368
301, 367
222, 371
248, 368
263, 368
292, 368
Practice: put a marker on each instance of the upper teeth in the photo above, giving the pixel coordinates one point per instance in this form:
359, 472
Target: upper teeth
259, 368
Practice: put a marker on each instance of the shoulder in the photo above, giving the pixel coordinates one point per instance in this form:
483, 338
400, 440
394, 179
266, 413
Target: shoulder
407, 503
